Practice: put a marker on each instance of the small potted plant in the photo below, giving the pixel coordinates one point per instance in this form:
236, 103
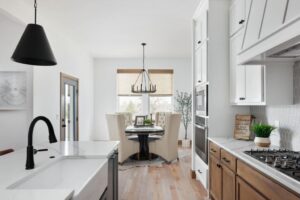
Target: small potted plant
262, 134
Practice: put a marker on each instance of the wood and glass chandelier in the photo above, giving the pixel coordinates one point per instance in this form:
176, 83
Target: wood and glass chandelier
143, 83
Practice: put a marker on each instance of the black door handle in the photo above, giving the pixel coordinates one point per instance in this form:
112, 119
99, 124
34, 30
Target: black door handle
63, 125
241, 21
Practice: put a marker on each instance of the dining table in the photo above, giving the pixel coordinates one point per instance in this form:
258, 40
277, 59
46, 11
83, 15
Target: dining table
143, 133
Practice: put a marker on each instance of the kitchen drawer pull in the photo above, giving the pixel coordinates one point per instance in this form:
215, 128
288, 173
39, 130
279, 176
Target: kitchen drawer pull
242, 98
199, 42
241, 21
218, 165
226, 160
213, 150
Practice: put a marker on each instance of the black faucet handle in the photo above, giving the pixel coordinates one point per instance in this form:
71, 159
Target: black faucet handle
38, 150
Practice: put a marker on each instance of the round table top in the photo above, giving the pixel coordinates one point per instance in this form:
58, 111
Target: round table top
144, 130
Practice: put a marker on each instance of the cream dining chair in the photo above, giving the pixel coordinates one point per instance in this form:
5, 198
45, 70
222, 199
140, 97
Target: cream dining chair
116, 128
167, 146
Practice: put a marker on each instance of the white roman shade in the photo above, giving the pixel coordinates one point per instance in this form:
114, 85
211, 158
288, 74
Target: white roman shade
125, 78
163, 79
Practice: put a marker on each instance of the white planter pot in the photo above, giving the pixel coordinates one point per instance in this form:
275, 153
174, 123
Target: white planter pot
262, 142
186, 143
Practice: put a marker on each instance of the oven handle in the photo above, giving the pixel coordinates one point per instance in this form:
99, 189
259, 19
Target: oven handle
201, 127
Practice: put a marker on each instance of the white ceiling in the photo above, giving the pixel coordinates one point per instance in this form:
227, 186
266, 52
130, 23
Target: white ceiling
115, 28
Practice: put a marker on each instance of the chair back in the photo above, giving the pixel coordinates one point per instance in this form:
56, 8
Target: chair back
128, 118
116, 126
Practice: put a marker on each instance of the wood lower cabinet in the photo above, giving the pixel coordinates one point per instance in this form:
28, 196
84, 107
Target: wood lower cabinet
233, 179
215, 178
245, 192
228, 184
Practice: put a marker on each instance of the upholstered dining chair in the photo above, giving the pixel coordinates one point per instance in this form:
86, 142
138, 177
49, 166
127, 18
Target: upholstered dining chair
116, 129
167, 146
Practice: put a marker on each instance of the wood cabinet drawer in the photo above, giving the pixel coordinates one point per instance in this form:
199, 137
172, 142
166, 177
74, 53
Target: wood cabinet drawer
214, 150
228, 160
263, 184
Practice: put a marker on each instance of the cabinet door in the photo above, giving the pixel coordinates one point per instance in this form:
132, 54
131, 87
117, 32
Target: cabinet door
292, 10
215, 178
254, 22
201, 29
204, 61
273, 17
237, 15
198, 70
237, 72
228, 184
254, 83
245, 192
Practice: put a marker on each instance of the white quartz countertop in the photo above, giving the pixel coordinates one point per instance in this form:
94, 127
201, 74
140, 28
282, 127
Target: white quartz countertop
12, 167
237, 148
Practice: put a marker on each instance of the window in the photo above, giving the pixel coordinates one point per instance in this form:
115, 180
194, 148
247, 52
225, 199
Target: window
130, 104
160, 104
139, 104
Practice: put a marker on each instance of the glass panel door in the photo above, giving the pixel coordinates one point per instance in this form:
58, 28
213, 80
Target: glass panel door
69, 108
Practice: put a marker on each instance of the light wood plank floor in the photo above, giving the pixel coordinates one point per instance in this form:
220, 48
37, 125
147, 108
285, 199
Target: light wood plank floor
169, 182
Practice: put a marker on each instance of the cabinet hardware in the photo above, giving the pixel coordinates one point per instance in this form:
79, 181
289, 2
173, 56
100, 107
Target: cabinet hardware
218, 165
226, 160
199, 42
242, 98
213, 150
199, 81
241, 21
199, 171
63, 125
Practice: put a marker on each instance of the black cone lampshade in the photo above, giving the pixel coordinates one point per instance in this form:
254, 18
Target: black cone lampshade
34, 48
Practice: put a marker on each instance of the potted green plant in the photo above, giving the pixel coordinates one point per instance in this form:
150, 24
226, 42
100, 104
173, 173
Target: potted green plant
262, 134
184, 106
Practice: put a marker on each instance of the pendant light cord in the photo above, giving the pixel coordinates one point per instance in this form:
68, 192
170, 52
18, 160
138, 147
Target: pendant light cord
35, 11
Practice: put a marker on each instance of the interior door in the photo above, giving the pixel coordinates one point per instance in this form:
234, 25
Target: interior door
68, 108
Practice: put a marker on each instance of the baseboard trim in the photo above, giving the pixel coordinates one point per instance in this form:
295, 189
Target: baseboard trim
193, 174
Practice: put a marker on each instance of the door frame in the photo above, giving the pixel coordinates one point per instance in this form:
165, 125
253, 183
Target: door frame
65, 77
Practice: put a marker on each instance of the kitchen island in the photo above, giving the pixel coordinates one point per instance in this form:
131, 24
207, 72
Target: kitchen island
68, 170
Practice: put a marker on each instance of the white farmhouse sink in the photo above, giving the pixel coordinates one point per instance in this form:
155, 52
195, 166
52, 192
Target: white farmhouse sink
86, 176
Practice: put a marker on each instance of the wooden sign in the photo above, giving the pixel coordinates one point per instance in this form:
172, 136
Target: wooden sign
242, 127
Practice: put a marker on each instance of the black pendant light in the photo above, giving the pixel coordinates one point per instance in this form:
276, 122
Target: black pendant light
145, 85
33, 47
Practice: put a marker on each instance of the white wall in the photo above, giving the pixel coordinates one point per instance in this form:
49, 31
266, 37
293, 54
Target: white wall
71, 59
105, 84
13, 123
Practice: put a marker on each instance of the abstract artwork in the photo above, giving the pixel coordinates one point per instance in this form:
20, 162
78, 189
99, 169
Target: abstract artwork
13, 90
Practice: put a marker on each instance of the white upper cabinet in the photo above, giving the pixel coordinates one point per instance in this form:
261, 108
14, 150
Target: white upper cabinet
201, 64
273, 17
254, 22
254, 84
200, 27
237, 16
246, 82
293, 10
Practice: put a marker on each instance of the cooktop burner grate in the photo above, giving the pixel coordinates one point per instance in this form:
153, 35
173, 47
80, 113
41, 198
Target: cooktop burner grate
285, 161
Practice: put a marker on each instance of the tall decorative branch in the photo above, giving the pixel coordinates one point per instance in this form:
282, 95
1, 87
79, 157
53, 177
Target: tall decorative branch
184, 106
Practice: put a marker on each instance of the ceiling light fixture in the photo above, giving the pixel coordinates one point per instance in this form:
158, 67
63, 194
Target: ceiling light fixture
145, 85
33, 47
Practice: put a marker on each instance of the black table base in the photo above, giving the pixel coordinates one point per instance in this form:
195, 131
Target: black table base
144, 153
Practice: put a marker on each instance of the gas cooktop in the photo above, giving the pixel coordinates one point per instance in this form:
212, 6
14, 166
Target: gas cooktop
285, 161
